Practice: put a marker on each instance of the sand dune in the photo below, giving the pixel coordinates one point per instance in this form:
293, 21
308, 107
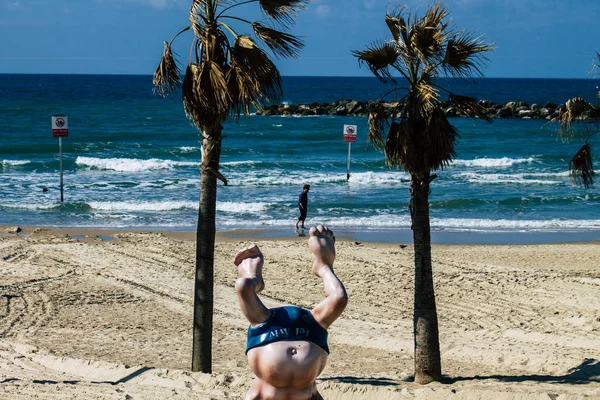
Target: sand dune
86, 318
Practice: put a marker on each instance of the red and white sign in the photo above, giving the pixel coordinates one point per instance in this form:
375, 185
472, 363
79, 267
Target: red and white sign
60, 126
350, 133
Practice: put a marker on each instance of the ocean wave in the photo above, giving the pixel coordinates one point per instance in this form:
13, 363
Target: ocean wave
511, 201
127, 206
188, 149
503, 162
285, 178
243, 162
131, 164
391, 221
31, 206
521, 179
242, 208
14, 163
503, 225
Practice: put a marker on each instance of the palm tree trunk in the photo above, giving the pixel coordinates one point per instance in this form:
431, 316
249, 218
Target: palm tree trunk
205, 251
427, 346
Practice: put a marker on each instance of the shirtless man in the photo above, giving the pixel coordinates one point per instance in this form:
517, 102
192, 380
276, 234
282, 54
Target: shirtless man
287, 346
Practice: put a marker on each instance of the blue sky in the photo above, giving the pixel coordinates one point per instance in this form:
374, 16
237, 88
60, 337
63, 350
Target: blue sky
534, 38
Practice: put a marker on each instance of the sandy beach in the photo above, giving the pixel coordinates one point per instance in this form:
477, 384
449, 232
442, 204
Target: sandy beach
109, 317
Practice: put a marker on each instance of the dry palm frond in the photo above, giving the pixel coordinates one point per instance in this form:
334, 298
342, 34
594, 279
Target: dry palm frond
199, 29
578, 111
464, 55
379, 57
282, 11
400, 147
394, 21
204, 92
167, 74
440, 140
198, 10
211, 87
427, 94
378, 121
469, 106
429, 34
282, 44
581, 169
253, 79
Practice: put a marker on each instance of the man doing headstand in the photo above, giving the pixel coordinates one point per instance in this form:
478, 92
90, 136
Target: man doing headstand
287, 346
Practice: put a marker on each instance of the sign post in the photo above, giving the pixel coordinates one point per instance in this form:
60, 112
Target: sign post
349, 136
60, 129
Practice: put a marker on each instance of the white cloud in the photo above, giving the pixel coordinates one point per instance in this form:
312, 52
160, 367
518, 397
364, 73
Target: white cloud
323, 11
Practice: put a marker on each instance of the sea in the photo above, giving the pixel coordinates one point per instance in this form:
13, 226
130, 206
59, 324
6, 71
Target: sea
131, 161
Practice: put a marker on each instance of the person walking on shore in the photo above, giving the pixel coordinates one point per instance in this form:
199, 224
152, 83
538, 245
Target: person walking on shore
303, 205
287, 346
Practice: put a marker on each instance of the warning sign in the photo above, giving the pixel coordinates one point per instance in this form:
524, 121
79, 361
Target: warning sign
350, 133
60, 126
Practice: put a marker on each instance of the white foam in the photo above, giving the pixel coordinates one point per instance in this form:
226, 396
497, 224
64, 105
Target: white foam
31, 206
521, 179
392, 221
126, 206
234, 207
485, 224
15, 162
282, 177
244, 162
503, 162
188, 149
131, 164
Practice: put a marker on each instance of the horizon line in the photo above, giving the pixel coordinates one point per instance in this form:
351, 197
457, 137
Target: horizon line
283, 76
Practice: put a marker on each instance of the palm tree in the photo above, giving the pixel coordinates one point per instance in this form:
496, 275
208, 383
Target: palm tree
228, 74
581, 119
416, 135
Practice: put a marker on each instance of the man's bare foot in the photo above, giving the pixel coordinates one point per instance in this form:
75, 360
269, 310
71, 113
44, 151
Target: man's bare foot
321, 242
250, 262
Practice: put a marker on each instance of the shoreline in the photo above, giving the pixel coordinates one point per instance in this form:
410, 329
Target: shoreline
400, 236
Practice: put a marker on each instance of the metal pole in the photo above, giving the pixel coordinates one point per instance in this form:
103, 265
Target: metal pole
61, 168
348, 169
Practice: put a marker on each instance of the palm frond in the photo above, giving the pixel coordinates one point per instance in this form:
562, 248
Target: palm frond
378, 121
427, 94
464, 55
581, 169
204, 93
429, 33
440, 140
395, 21
578, 111
282, 44
253, 79
378, 58
167, 75
400, 147
282, 11
469, 106
198, 11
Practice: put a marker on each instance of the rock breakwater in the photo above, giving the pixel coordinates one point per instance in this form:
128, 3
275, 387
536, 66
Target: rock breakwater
512, 109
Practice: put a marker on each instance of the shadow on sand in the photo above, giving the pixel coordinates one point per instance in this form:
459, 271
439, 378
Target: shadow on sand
50, 382
587, 372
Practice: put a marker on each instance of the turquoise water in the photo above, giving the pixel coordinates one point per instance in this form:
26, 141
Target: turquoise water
131, 161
